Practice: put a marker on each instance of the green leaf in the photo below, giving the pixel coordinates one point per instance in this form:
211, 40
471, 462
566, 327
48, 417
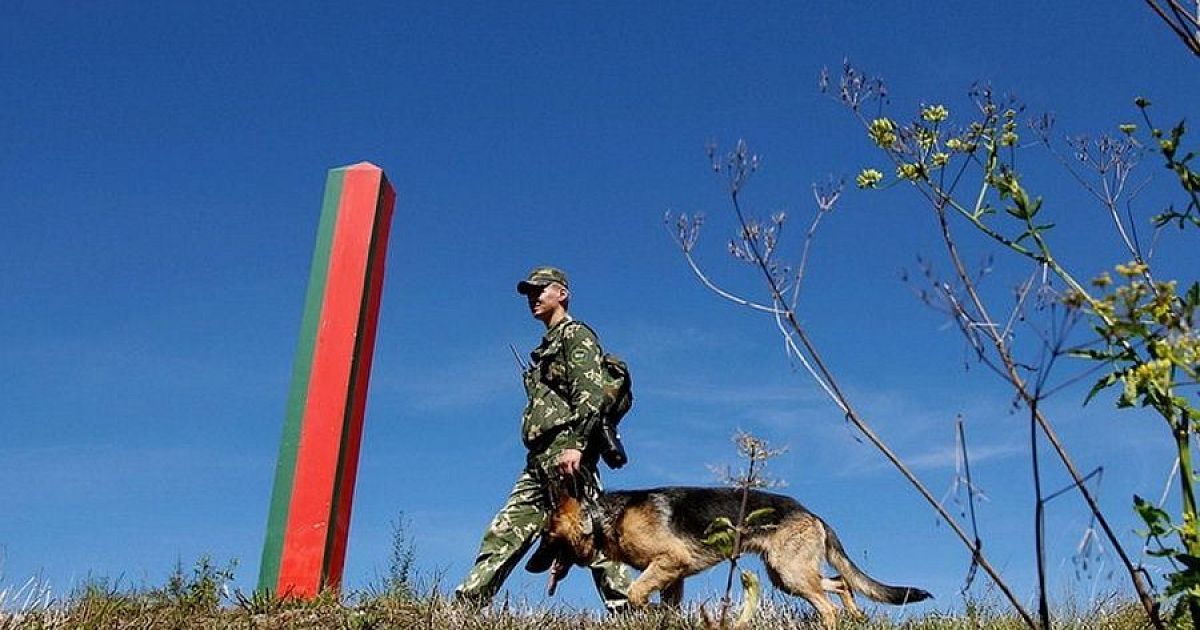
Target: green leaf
1034, 207
721, 541
1101, 384
751, 592
1089, 353
1178, 131
759, 515
719, 524
1191, 562
1016, 211
1158, 520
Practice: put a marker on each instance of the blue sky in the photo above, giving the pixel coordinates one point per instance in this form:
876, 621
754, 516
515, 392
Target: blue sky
161, 175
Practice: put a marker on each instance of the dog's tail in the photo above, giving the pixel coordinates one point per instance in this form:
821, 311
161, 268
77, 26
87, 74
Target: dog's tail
863, 583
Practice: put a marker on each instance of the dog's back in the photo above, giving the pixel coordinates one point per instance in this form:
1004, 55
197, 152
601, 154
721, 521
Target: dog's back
689, 511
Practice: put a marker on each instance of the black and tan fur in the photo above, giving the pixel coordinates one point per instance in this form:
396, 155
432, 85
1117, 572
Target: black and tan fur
661, 531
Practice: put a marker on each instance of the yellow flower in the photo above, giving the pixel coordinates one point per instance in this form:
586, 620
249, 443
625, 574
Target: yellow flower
960, 145
926, 138
1008, 139
1128, 128
935, 113
940, 159
910, 171
1131, 269
869, 178
883, 132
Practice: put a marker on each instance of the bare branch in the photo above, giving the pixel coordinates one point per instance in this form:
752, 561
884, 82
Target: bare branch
1185, 26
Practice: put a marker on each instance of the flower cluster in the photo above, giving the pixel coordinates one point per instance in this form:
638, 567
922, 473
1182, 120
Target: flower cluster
1132, 269
869, 178
1151, 375
961, 145
935, 113
1009, 137
883, 132
911, 171
926, 138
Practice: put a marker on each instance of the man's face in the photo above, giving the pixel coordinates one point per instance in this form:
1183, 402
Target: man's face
544, 303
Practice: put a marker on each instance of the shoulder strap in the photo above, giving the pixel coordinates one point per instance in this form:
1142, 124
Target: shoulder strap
589, 329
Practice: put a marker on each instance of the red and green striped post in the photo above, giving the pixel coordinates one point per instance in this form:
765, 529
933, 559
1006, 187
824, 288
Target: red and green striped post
305, 548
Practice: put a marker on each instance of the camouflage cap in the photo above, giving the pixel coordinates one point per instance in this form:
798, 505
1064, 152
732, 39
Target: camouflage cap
540, 277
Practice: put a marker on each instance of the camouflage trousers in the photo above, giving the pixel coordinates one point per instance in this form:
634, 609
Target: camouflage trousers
514, 529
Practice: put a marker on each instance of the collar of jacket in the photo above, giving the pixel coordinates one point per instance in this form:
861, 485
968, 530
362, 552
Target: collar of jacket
562, 322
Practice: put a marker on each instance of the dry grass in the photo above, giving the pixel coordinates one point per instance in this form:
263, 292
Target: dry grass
101, 608
200, 598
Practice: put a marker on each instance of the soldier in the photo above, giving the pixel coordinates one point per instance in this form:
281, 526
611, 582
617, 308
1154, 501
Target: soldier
564, 393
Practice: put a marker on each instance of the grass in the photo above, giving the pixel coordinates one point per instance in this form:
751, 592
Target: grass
134, 611
200, 599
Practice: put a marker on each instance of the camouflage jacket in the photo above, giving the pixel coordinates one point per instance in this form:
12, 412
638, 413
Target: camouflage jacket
564, 387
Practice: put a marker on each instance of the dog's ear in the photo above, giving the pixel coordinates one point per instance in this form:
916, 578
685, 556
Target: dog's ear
543, 558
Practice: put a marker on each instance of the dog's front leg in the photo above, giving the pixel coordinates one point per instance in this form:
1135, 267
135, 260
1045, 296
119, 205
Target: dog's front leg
672, 594
658, 575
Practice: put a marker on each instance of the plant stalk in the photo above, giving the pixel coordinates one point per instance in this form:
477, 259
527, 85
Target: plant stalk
1188, 495
727, 600
854, 418
1039, 524
1014, 378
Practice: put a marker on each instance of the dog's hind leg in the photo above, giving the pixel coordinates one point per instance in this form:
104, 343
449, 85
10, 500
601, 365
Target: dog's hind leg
839, 586
794, 555
672, 594
807, 586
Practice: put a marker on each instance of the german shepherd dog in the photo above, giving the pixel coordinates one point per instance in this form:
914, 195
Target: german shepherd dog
661, 531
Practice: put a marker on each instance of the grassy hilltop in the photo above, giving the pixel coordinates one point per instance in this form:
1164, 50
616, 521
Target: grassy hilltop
201, 599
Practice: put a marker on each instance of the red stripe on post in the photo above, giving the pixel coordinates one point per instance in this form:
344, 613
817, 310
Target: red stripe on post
348, 468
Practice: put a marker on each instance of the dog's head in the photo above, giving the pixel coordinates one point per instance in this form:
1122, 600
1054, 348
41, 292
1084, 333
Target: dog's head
569, 529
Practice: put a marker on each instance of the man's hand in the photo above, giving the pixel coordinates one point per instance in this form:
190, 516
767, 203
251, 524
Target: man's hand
568, 462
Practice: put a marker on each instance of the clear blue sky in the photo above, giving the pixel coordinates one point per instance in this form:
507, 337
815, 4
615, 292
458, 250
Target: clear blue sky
161, 169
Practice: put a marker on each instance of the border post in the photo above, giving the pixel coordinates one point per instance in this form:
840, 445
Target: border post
309, 519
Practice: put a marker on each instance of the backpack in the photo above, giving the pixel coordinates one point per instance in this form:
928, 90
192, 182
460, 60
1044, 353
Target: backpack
618, 399
618, 389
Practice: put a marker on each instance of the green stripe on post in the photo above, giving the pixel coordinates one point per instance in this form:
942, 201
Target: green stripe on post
285, 471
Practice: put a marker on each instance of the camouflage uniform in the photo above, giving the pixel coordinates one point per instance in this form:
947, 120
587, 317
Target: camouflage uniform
564, 395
